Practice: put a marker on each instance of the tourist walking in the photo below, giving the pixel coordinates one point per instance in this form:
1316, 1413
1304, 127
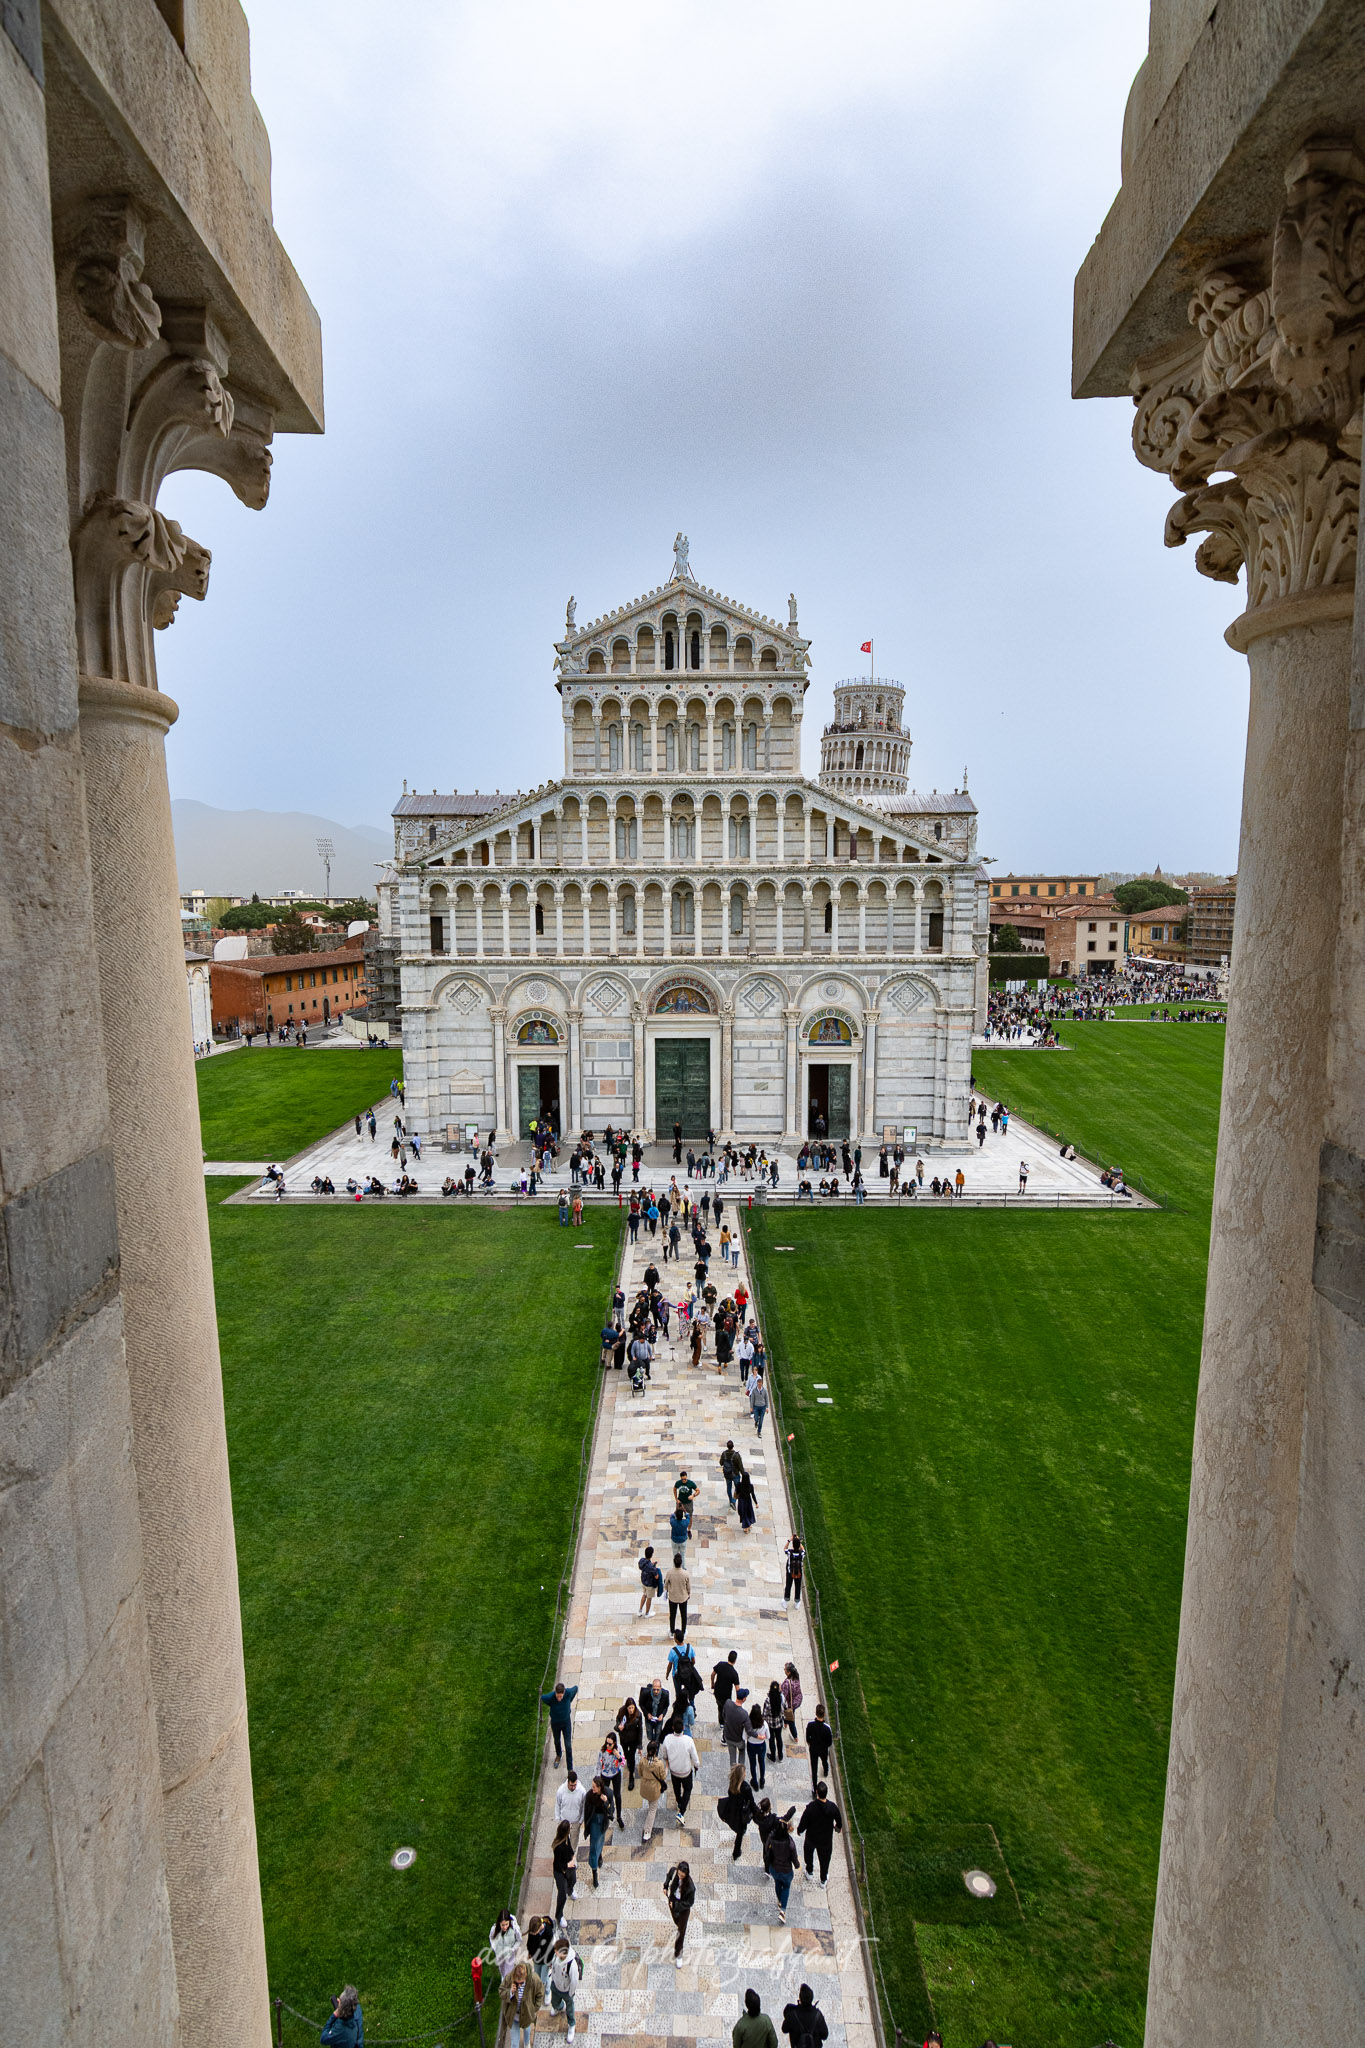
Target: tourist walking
724, 1680
737, 1808
630, 1732
734, 1727
774, 1713
609, 1762
795, 1554
819, 1741
779, 1860
540, 1944
651, 1579
653, 1787
564, 1863
680, 1754
745, 1500
596, 1819
569, 1804
758, 1399
729, 1458
504, 1938
803, 2023
566, 1973
678, 1586
681, 1895
522, 1998
560, 1702
819, 1824
756, 1742
791, 1696
753, 2028
654, 1706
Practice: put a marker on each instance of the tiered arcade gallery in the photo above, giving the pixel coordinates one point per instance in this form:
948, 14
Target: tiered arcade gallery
720, 944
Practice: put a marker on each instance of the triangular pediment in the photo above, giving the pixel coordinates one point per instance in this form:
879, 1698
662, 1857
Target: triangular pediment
682, 597
525, 810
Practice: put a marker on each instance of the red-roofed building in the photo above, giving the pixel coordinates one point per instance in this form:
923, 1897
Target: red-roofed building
273, 990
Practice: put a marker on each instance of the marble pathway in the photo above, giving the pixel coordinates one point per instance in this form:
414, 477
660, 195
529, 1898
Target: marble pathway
631, 1992
992, 1170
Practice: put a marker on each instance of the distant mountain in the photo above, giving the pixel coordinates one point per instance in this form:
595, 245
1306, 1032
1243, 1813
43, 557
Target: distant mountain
233, 853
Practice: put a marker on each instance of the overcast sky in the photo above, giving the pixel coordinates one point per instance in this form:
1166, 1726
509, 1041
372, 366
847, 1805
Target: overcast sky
796, 279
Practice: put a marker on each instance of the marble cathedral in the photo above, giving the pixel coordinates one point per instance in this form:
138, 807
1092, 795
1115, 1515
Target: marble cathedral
682, 927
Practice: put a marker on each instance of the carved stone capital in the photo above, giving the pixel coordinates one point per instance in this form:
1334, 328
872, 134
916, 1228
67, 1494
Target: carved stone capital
1258, 423
105, 248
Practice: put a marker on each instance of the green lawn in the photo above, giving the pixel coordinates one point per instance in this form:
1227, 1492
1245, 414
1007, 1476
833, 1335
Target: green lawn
996, 1506
270, 1102
406, 1392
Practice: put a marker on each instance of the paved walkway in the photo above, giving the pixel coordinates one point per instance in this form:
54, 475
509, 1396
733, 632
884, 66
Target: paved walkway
631, 1992
992, 1170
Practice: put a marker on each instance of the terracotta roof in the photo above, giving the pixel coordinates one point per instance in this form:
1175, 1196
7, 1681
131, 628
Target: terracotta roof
935, 803
456, 805
292, 963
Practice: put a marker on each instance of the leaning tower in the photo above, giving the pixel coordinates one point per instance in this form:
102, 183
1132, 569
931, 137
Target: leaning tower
866, 751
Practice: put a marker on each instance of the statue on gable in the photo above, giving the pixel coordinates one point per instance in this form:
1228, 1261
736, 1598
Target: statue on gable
570, 608
681, 565
791, 611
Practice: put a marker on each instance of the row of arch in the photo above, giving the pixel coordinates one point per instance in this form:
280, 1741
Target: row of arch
679, 642
773, 914
621, 822
555, 1001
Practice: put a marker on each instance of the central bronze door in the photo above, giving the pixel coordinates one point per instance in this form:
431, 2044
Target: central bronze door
682, 1086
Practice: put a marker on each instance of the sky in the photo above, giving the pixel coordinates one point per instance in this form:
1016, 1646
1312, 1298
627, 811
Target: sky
793, 279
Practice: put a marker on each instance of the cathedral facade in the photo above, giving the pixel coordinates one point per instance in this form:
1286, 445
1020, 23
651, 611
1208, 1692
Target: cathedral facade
681, 928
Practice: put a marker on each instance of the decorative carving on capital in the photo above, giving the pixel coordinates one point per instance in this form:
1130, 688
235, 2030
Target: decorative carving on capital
150, 395
1258, 424
106, 251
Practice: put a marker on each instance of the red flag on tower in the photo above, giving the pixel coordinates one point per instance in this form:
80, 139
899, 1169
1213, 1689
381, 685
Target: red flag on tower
866, 647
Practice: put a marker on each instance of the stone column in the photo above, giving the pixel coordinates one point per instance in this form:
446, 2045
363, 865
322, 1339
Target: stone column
780, 946
862, 917
871, 1019
504, 898
611, 919
727, 1060
497, 1016
806, 814
478, 921
1253, 1858
170, 1323
637, 1115
792, 1019
559, 924
666, 903
575, 1062
654, 743
639, 921
919, 914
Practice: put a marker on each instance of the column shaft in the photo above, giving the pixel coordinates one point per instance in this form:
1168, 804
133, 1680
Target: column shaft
171, 1330
1222, 1836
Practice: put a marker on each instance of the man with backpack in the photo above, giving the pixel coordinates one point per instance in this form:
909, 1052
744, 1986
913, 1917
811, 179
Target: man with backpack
651, 1579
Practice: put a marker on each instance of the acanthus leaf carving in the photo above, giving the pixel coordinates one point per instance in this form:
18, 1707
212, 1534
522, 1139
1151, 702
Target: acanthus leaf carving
1259, 425
106, 251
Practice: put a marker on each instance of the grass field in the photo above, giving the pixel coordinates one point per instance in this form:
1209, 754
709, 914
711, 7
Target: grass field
270, 1102
406, 1393
996, 1505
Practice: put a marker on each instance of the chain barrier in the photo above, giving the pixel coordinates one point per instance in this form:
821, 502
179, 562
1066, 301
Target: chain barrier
560, 1620
552, 1658
862, 1890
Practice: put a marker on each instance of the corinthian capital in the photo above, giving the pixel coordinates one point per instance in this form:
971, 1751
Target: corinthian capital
1258, 422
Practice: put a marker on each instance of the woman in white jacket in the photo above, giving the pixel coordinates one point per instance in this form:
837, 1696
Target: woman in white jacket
504, 1938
